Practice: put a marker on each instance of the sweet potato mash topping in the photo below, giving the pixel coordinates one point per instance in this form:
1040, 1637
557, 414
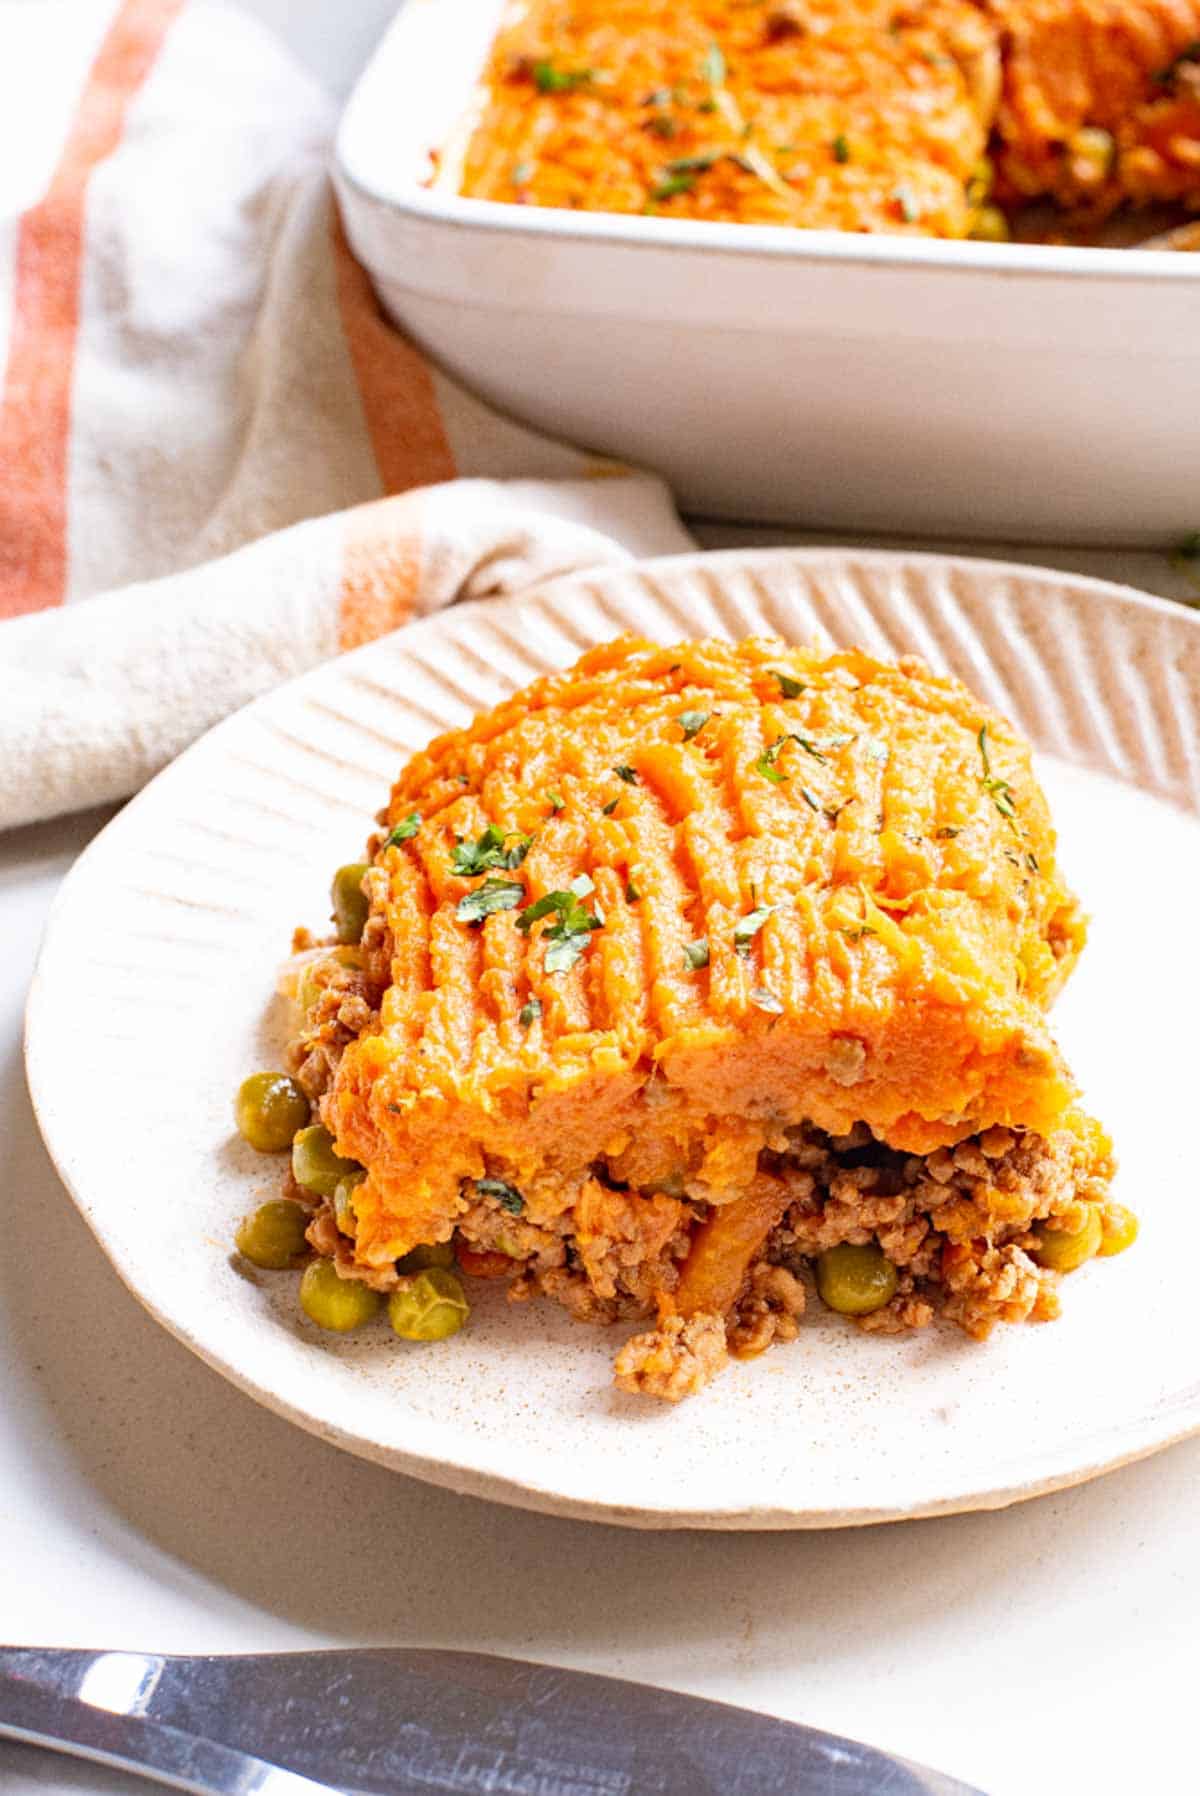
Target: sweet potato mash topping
862, 850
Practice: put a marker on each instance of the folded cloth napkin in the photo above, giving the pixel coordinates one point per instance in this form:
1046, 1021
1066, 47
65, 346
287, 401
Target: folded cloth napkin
207, 430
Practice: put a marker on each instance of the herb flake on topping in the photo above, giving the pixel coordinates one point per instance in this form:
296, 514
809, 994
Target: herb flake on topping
998, 790
747, 927
611, 806
529, 1012
506, 1195
495, 848
692, 722
556, 801
789, 687
764, 999
631, 892
841, 148
810, 799
550, 80
695, 954
492, 896
628, 774
671, 185
765, 763
404, 831
570, 933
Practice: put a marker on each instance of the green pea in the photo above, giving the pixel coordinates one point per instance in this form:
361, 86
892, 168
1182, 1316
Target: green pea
314, 1163
343, 1202
431, 1308
268, 1110
1062, 1252
336, 1303
273, 1235
350, 905
420, 1259
855, 1280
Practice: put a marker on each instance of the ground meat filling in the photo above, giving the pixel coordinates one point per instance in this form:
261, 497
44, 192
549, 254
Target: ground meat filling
958, 1225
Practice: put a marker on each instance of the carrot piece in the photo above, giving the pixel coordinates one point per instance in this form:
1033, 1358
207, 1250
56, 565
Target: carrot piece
723, 1247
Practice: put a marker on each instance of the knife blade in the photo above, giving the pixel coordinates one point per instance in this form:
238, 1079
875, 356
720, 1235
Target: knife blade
409, 1722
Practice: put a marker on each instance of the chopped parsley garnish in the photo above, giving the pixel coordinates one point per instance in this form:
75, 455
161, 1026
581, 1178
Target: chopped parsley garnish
631, 892
765, 1000
628, 774
692, 722
556, 801
529, 1012
611, 806
492, 896
568, 936
405, 830
1032, 862
692, 165
506, 1195
789, 687
671, 185
661, 124
810, 799
696, 954
841, 148
998, 790
947, 832
747, 927
489, 852
765, 763
549, 80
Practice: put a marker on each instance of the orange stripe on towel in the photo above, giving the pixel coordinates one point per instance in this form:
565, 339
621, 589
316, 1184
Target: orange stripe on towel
35, 411
381, 572
394, 383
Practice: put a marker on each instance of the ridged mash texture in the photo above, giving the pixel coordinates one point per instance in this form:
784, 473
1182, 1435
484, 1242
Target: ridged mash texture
158, 969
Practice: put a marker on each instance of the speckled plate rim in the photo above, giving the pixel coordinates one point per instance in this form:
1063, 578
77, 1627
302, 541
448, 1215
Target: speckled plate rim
865, 582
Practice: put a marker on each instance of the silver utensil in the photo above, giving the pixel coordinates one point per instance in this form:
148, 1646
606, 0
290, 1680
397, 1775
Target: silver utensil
395, 1722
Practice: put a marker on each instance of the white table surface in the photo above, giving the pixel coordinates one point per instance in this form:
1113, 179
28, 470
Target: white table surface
1046, 1650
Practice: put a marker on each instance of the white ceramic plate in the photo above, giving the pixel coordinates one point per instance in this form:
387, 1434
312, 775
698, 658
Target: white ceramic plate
152, 1000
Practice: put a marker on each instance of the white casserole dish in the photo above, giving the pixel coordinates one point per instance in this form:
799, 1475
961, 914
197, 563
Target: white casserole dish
816, 378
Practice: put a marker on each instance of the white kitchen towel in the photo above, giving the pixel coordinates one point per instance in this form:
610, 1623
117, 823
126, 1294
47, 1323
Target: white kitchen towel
207, 430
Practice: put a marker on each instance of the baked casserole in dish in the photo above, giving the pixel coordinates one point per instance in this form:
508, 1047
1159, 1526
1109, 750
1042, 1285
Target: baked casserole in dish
849, 115
682, 984
589, 220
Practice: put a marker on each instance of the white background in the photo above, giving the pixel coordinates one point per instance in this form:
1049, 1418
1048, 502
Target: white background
1047, 1649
